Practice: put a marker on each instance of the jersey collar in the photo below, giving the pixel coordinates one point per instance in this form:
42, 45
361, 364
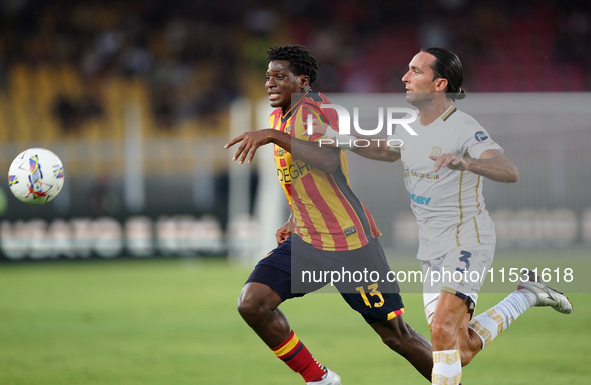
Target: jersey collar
450, 111
289, 112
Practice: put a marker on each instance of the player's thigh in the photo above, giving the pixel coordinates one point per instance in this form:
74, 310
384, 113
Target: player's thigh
276, 271
460, 272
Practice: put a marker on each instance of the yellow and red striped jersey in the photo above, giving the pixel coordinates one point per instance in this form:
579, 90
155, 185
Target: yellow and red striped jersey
325, 211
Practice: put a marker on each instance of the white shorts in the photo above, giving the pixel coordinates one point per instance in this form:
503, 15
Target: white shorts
460, 272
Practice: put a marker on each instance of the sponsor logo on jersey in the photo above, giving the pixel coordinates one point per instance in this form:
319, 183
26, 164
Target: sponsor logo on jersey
293, 172
436, 151
419, 199
480, 136
422, 175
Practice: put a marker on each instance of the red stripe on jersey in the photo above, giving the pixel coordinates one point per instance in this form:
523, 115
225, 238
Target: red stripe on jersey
282, 162
372, 223
331, 221
350, 211
288, 188
308, 224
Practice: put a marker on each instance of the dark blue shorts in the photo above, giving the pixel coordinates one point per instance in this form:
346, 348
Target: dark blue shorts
295, 268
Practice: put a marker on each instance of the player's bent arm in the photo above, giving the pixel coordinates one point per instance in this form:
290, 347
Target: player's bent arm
325, 159
322, 158
494, 165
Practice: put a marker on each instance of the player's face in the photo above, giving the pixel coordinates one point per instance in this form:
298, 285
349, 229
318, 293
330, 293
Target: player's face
281, 83
419, 80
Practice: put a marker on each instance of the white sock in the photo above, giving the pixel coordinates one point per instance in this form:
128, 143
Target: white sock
447, 368
495, 320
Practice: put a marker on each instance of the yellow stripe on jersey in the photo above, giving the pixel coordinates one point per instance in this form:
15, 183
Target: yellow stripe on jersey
477, 201
338, 209
476, 229
317, 219
479, 210
460, 206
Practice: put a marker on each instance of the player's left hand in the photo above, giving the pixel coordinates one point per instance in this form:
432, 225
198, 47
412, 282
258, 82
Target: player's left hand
250, 142
451, 161
318, 127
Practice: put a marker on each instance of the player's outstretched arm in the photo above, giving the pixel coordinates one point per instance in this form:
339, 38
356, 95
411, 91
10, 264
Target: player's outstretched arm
325, 159
492, 164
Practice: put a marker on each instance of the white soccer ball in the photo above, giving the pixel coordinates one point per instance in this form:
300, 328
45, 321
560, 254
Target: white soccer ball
36, 176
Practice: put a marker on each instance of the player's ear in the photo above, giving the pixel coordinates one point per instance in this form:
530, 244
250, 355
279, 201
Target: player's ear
440, 84
304, 82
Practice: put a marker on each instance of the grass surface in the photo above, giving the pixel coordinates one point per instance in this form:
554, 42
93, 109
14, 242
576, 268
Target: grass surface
174, 321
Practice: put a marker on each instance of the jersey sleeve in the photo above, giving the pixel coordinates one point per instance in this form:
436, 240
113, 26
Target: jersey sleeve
477, 140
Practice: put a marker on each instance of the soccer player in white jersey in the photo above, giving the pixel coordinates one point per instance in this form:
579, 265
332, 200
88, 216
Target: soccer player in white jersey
444, 168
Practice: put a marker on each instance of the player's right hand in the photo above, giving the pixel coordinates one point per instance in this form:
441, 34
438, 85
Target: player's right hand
284, 232
250, 142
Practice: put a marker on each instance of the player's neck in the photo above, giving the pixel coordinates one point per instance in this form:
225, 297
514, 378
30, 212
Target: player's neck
429, 112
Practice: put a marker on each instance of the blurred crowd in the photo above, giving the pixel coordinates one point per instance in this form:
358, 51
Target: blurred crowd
198, 56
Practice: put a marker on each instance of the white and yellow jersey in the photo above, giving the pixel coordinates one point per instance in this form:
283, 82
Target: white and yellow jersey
448, 204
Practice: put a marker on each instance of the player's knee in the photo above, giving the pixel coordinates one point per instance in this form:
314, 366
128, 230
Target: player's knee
442, 332
254, 304
394, 342
250, 307
397, 338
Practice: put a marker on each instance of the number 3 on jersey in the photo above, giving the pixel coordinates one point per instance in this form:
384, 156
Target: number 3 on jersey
374, 291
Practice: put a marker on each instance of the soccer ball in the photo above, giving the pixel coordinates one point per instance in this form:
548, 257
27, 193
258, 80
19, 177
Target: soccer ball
36, 176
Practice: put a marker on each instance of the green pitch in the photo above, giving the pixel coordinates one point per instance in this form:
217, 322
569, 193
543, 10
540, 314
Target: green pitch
175, 322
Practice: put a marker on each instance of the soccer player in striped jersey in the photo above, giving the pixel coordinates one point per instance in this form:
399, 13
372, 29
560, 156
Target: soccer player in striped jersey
329, 228
444, 166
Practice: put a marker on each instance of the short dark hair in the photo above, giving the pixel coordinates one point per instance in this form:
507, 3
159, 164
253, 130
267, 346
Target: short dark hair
447, 65
301, 61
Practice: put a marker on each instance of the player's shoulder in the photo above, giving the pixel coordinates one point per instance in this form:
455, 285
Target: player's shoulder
314, 100
316, 97
458, 116
462, 121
